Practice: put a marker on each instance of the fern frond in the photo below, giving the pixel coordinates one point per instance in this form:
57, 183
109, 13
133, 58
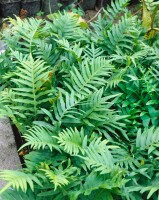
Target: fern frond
19, 57
92, 182
101, 161
40, 158
113, 124
98, 27
147, 139
72, 140
150, 188
96, 108
40, 138
75, 50
115, 9
47, 52
11, 194
125, 159
98, 158
92, 53
58, 180
97, 113
31, 91
116, 78
90, 77
61, 176
103, 186
65, 110
65, 26
121, 35
18, 180
27, 31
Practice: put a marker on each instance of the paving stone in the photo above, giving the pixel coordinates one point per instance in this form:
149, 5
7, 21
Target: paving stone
9, 158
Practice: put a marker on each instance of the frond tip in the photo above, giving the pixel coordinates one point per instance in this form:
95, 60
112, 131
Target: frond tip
57, 179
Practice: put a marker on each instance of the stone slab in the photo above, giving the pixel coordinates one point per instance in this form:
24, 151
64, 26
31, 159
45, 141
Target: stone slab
9, 158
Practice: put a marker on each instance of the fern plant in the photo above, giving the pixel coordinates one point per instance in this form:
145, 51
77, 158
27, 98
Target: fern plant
86, 102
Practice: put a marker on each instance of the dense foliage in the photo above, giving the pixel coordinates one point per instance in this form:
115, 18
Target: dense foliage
85, 98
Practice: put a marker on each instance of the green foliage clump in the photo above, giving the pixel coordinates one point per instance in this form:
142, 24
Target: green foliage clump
85, 99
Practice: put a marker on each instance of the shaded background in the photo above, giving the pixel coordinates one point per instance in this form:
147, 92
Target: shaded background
32, 7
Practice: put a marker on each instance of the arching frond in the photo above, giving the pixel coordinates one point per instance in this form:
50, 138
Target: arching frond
121, 35
26, 31
18, 180
40, 138
90, 77
6, 111
72, 140
96, 108
11, 194
65, 25
66, 109
30, 92
98, 158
